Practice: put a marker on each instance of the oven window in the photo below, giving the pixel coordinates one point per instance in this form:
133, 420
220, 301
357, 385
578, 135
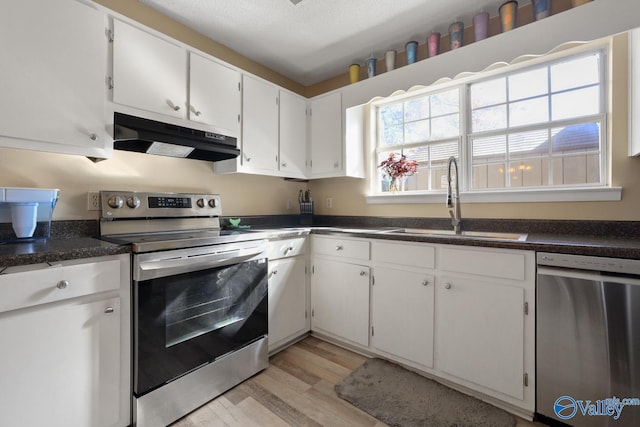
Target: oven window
205, 303
187, 320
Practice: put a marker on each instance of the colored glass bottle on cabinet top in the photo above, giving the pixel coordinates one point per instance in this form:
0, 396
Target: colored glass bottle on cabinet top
508, 14
456, 32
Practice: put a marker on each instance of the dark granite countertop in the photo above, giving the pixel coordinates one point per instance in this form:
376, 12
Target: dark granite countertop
578, 244
614, 247
605, 238
56, 249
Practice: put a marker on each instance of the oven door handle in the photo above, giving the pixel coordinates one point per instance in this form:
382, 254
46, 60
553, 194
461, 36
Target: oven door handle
166, 267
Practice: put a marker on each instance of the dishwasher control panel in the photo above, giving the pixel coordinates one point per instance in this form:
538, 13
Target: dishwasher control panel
582, 262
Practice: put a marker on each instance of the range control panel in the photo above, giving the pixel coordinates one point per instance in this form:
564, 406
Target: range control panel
134, 204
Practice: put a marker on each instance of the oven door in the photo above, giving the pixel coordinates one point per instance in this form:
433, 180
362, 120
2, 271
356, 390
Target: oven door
195, 305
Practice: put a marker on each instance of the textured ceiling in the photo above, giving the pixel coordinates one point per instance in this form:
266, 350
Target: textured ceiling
318, 39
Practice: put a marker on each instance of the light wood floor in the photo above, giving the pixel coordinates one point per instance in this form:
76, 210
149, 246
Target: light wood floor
295, 390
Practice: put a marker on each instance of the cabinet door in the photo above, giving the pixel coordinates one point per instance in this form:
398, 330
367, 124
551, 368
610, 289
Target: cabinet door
293, 135
53, 77
480, 333
340, 300
287, 300
402, 314
259, 125
149, 73
326, 136
214, 94
60, 365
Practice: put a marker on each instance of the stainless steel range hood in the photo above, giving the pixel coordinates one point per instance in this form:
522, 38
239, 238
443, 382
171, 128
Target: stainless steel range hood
149, 136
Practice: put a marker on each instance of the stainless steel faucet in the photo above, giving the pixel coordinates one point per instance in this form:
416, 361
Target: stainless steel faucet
453, 201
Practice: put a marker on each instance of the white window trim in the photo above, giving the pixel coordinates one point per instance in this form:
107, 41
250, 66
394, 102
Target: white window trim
600, 192
583, 194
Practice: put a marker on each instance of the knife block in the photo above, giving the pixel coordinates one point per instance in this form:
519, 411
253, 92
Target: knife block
306, 213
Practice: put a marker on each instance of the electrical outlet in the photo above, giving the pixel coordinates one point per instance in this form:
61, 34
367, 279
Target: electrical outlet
289, 204
329, 202
93, 201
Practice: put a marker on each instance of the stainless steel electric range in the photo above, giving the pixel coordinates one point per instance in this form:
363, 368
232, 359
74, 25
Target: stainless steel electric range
199, 300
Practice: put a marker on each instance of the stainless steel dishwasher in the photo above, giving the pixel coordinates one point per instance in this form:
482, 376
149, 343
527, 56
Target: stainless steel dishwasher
588, 340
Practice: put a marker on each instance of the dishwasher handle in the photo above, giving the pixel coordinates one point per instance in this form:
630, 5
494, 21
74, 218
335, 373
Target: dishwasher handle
597, 276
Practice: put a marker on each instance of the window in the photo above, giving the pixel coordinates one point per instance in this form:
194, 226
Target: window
541, 127
425, 129
523, 127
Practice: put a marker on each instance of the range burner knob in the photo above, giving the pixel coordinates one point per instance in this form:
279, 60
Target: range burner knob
212, 203
201, 203
115, 202
133, 202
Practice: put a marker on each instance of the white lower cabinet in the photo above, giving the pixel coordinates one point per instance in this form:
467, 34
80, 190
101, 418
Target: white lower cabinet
480, 333
402, 303
288, 291
402, 315
460, 313
485, 322
65, 358
288, 316
340, 300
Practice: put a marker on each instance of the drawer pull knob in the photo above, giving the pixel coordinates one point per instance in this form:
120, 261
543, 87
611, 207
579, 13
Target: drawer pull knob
447, 285
62, 284
363, 273
109, 310
339, 248
425, 283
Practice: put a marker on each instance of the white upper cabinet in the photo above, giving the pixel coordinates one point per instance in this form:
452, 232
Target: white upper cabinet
259, 126
53, 75
326, 136
274, 132
293, 135
149, 73
337, 148
214, 94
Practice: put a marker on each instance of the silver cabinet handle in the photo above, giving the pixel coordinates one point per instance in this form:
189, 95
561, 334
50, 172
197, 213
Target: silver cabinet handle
194, 111
172, 105
247, 157
447, 285
93, 136
339, 248
425, 283
284, 165
287, 250
109, 310
62, 284
363, 273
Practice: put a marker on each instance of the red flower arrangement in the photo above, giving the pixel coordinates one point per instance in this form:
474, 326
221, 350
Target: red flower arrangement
397, 168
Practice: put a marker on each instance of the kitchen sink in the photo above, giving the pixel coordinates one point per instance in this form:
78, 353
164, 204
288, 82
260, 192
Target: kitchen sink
469, 234
353, 230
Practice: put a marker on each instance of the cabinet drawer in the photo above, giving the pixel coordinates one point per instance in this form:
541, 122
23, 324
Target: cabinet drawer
404, 254
506, 265
57, 283
344, 248
286, 248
